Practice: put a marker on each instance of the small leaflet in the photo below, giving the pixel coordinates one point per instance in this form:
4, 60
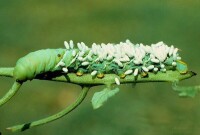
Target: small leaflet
99, 98
185, 91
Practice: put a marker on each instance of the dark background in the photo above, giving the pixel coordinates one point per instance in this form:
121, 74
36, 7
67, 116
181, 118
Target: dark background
144, 109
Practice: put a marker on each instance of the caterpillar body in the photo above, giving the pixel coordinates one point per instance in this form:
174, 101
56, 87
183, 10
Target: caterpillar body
121, 59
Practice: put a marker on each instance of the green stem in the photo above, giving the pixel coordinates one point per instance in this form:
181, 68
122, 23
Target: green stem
62, 113
10, 93
8, 72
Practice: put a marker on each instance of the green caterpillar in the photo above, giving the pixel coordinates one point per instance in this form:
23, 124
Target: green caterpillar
36, 63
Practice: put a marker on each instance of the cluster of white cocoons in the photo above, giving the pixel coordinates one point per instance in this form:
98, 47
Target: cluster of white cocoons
122, 53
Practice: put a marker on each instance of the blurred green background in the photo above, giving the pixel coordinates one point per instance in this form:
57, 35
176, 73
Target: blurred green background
144, 109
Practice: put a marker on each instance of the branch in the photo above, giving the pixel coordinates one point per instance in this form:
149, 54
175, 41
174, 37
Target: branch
10, 93
169, 76
62, 113
8, 72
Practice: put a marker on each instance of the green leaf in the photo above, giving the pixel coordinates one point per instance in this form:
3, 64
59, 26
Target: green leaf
99, 98
186, 91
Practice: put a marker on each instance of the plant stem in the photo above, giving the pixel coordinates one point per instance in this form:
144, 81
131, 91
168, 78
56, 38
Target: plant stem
8, 72
10, 93
169, 76
62, 113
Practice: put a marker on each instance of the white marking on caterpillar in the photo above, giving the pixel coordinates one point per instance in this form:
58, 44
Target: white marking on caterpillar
174, 64
97, 59
73, 60
152, 56
118, 62
145, 69
117, 81
136, 62
136, 72
81, 53
79, 46
71, 44
94, 50
150, 67
155, 69
85, 63
155, 60
160, 50
89, 58
66, 45
171, 50
124, 59
162, 66
80, 58
90, 53
101, 58
84, 47
61, 63
128, 72
163, 70
175, 53
178, 58
65, 70
110, 57
94, 73
74, 53
139, 54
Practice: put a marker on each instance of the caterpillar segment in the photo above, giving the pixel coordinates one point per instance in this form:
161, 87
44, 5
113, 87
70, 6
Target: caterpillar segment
37, 63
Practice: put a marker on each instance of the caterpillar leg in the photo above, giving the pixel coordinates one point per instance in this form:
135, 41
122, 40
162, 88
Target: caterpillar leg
10, 93
60, 114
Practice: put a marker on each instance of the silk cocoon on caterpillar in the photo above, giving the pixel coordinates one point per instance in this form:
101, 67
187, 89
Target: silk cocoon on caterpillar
122, 59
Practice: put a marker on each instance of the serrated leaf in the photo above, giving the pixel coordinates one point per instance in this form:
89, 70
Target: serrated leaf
99, 98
